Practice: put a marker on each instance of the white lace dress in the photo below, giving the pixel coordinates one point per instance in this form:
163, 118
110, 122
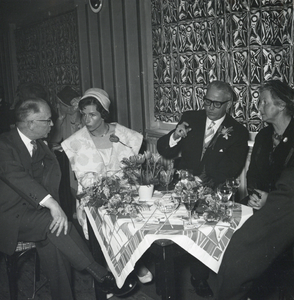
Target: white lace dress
87, 161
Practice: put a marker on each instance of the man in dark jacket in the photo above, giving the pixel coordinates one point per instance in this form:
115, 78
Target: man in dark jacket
213, 146
29, 205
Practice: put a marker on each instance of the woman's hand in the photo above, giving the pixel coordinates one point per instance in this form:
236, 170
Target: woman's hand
257, 201
181, 130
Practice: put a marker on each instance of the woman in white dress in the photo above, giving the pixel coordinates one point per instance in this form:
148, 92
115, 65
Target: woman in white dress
98, 148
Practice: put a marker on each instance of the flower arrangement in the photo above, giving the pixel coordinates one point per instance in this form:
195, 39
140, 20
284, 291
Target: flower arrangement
188, 186
114, 194
193, 186
142, 169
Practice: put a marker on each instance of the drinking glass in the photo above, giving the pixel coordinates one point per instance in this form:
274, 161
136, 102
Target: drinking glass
234, 184
225, 194
189, 202
166, 177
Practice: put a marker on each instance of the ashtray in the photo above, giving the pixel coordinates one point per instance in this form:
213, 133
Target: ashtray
167, 204
211, 216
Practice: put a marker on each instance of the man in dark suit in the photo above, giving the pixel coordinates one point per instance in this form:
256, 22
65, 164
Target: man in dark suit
29, 205
259, 242
213, 146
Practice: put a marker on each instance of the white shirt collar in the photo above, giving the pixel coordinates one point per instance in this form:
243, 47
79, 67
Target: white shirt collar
217, 123
26, 141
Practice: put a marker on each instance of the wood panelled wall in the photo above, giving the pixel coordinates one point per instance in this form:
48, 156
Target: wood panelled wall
47, 54
116, 54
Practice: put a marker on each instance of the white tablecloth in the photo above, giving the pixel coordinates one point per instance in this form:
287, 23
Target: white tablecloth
124, 240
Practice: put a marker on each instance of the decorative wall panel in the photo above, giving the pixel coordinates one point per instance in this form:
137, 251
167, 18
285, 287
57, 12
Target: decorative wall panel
242, 42
47, 53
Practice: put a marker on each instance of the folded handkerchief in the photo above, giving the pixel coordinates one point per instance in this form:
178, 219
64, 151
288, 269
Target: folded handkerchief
221, 150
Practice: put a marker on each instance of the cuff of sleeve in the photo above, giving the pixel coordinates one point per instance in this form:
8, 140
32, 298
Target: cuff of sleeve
172, 141
44, 199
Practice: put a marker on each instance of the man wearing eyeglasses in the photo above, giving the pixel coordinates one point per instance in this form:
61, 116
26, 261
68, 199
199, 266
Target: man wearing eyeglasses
30, 209
213, 146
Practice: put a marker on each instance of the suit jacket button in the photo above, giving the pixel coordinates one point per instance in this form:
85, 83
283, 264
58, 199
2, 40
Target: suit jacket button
24, 203
17, 216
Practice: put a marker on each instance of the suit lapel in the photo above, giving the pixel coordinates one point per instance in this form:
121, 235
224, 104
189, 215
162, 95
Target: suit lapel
216, 138
22, 150
198, 130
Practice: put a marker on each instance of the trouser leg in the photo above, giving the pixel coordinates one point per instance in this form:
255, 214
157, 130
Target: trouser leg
57, 270
62, 250
198, 270
75, 250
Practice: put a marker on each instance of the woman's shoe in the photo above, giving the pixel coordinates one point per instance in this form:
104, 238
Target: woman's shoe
145, 278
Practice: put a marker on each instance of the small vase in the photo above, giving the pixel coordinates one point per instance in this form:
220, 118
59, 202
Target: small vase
146, 192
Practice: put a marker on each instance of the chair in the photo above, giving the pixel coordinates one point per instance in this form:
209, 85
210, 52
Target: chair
12, 263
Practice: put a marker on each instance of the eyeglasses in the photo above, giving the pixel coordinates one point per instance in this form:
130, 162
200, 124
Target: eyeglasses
49, 121
216, 104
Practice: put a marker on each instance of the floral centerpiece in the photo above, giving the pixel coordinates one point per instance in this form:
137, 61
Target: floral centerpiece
114, 194
142, 169
190, 186
208, 202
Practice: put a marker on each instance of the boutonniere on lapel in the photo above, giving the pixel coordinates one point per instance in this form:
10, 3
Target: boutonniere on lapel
224, 132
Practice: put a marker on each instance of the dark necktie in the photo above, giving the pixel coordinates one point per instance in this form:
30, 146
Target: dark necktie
34, 143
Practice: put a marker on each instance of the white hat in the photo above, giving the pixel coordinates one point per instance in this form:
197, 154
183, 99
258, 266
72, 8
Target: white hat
100, 95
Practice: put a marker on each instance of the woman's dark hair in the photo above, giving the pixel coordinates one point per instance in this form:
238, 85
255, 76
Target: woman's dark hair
93, 101
282, 93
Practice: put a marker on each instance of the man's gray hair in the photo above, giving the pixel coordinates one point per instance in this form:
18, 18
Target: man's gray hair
225, 87
28, 107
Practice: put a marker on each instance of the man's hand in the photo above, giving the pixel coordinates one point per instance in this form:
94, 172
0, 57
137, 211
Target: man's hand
59, 222
181, 130
257, 201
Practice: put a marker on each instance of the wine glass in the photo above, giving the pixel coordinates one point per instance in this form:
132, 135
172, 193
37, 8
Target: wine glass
234, 184
166, 177
225, 194
189, 201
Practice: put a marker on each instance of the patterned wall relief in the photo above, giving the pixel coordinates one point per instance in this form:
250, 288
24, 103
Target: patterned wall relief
47, 53
242, 42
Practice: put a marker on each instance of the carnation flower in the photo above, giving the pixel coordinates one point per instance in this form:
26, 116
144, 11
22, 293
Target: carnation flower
115, 139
